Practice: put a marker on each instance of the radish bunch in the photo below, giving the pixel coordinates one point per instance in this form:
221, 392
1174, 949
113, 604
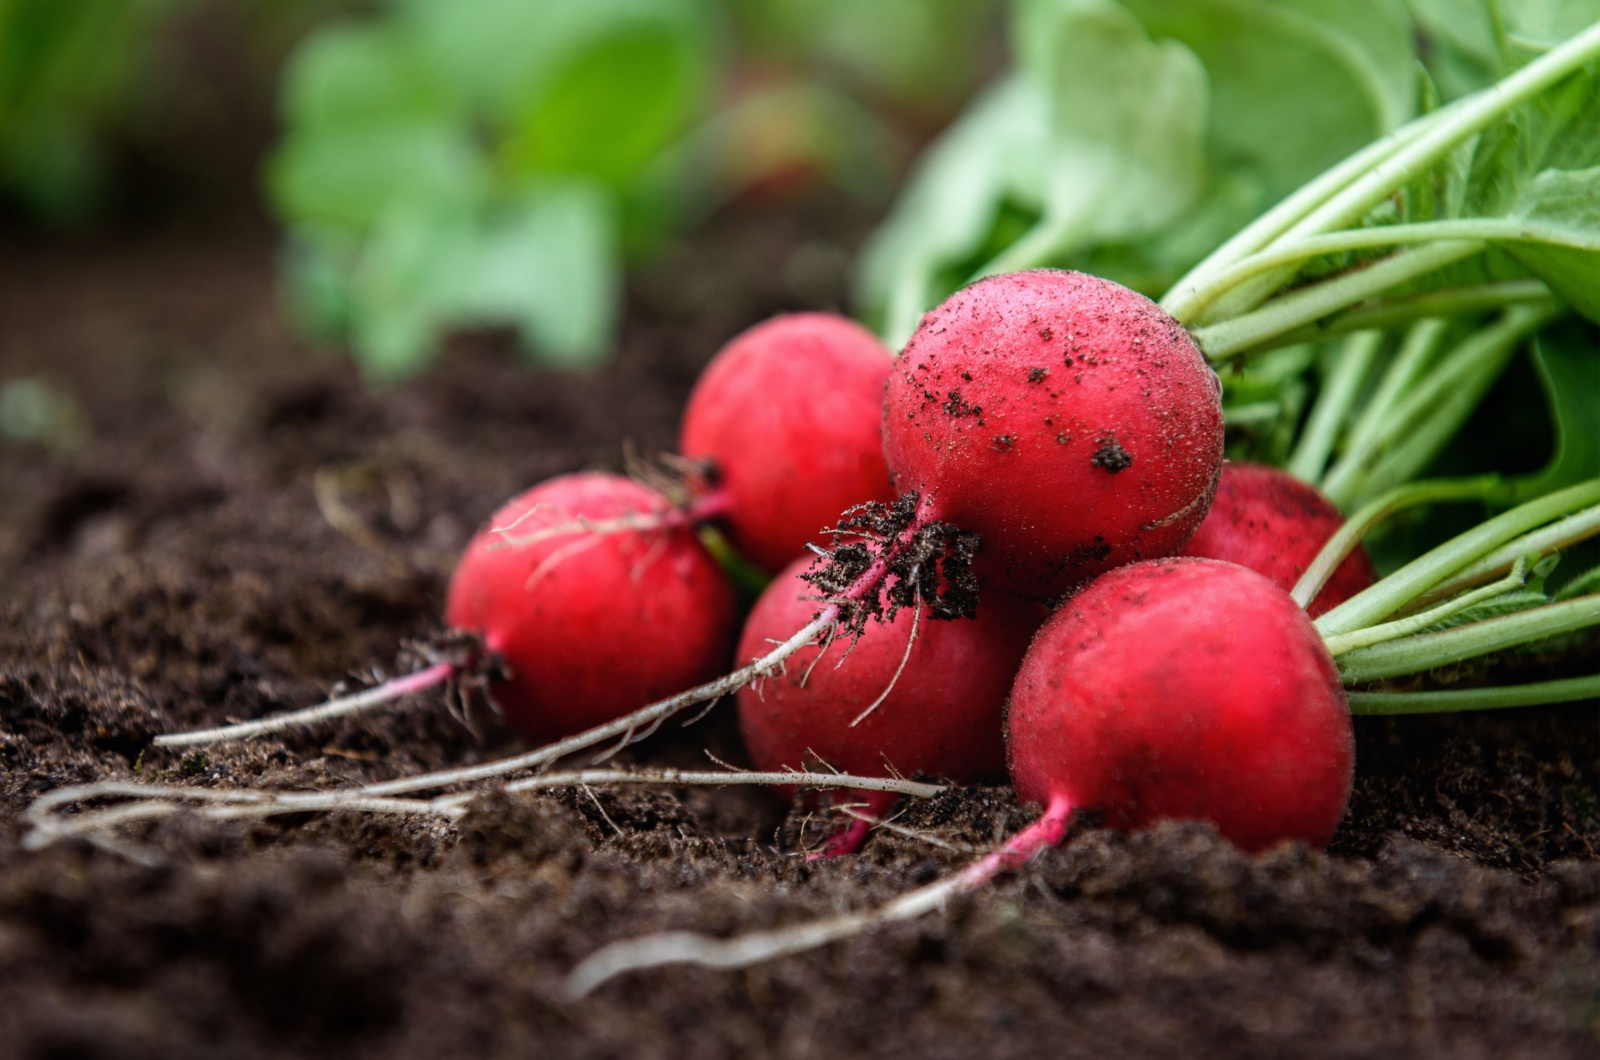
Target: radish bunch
1039, 430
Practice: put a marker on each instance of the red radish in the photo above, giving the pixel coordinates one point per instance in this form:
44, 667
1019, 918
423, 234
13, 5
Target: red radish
1184, 688
788, 413
1266, 519
941, 694
591, 624
1067, 420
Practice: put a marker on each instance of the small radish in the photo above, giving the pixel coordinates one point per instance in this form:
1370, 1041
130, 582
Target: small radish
593, 595
1266, 519
591, 624
907, 696
1068, 421
788, 415
1184, 688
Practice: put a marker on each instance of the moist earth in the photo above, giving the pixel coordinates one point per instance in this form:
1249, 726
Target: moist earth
243, 526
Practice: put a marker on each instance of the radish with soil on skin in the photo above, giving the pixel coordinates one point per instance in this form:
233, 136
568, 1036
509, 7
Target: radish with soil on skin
1184, 688
593, 593
1266, 519
907, 696
1068, 421
787, 417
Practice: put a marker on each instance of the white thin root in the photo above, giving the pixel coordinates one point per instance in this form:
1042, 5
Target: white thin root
686, 947
900, 829
916, 616
160, 800
612, 729
342, 707
665, 519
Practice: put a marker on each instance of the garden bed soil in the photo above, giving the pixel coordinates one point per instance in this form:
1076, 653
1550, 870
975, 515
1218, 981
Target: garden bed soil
244, 525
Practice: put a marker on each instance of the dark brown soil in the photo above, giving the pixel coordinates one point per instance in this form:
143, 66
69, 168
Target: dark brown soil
177, 569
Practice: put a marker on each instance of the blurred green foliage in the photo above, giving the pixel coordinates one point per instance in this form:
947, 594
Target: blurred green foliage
1129, 139
921, 55
454, 163
474, 162
67, 71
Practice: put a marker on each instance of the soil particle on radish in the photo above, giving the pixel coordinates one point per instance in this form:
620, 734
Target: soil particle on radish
1111, 456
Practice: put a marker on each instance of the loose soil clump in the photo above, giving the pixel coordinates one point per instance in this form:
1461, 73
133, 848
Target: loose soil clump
245, 523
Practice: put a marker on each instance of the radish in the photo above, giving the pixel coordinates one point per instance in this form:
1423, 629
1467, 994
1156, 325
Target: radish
1186, 688
592, 595
905, 697
1068, 421
590, 624
1266, 519
787, 418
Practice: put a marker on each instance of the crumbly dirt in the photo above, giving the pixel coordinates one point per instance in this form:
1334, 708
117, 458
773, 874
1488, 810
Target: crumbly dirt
245, 525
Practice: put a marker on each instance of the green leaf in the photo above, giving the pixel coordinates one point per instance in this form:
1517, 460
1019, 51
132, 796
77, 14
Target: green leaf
1296, 85
611, 107
1126, 120
351, 175
1567, 358
1561, 210
549, 263
950, 201
405, 285
354, 74
1544, 23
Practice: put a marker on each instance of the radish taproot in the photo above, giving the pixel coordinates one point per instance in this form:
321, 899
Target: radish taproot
907, 696
1184, 688
591, 617
1266, 519
1068, 421
787, 419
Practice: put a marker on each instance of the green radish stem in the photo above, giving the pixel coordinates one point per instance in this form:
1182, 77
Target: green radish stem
1353, 361
1366, 648
1186, 302
1347, 192
1402, 310
1367, 518
1422, 421
1417, 351
1559, 535
1345, 643
1422, 574
1427, 651
1259, 328
1536, 693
